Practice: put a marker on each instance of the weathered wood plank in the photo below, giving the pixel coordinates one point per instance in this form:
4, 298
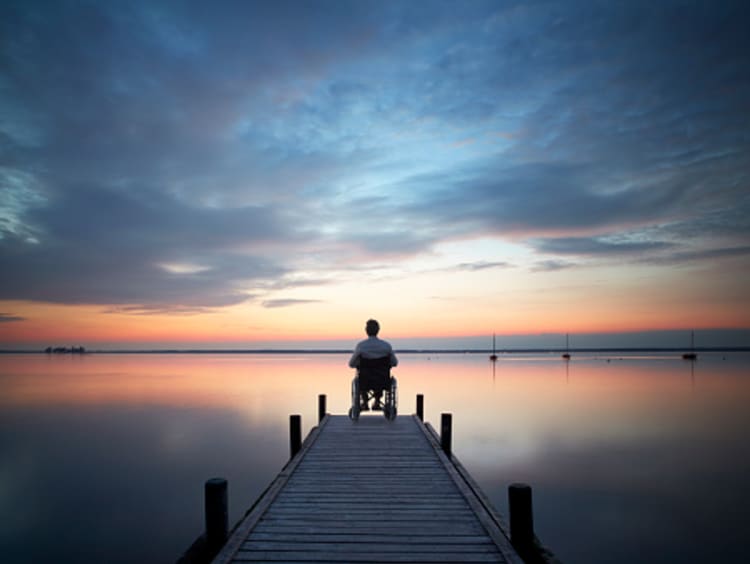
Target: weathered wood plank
367, 547
366, 516
302, 556
419, 538
352, 521
384, 529
337, 508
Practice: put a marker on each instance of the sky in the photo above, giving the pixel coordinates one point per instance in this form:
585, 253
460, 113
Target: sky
271, 174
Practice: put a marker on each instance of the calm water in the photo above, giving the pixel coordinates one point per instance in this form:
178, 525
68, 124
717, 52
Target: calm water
632, 459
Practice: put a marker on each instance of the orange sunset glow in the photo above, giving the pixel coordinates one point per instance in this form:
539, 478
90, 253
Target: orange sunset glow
493, 307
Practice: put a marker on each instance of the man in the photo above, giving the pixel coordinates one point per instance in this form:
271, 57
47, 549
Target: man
371, 348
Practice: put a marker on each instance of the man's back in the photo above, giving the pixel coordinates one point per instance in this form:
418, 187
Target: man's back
372, 348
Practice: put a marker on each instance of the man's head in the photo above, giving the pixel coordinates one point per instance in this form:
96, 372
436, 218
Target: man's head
372, 327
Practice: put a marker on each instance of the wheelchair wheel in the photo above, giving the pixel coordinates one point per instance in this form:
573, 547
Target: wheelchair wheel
354, 409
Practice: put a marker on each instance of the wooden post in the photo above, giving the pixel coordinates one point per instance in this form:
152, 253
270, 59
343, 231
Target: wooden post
295, 434
321, 407
446, 432
420, 407
217, 513
521, 517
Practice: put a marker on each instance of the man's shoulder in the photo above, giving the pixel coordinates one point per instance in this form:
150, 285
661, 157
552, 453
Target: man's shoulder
374, 344
384, 345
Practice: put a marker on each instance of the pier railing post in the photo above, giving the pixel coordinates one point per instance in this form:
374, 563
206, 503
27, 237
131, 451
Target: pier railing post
446, 432
521, 516
321, 407
295, 434
420, 407
217, 513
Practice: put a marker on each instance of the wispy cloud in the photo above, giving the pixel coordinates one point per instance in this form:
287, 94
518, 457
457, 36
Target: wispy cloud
482, 265
598, 246
701, 255
169, 309
277, 303
552, 265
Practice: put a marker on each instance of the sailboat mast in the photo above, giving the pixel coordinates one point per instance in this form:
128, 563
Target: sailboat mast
566, 354
691, 355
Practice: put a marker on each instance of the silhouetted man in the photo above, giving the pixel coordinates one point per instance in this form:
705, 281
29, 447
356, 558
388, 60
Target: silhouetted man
372, 348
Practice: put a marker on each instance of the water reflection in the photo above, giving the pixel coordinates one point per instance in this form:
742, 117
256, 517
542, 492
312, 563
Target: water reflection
631, 457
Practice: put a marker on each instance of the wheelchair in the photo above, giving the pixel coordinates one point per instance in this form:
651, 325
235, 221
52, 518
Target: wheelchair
372, 376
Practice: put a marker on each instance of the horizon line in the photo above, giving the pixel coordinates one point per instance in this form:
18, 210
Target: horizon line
517, 350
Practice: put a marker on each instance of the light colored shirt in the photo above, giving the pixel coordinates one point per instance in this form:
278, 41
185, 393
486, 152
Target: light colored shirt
372, 347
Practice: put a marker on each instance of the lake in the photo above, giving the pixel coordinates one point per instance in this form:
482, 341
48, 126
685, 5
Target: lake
632, 458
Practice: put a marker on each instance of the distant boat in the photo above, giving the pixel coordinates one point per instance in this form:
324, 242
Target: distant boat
566, 354
691, 355
493, 356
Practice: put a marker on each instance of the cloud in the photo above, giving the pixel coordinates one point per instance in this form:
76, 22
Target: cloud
702, 255
101, 245
154, 309
293, 281
287, 303
584, 246
654, 252
540, 198
552, 265
481, 265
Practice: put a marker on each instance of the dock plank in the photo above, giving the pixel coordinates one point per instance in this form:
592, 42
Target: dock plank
368, 491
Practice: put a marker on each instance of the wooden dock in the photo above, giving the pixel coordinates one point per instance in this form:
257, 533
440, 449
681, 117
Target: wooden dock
371, 491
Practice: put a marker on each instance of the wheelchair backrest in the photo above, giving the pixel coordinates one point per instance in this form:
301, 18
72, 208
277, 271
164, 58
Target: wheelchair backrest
375, 371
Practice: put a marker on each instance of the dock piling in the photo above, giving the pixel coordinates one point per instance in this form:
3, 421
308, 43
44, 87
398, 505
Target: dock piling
420, 407
295, 434
217, 513
446, 432
521, 516
321, 407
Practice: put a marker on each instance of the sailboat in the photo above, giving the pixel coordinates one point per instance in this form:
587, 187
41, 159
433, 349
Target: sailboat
691, 355
566, 354
493, 356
